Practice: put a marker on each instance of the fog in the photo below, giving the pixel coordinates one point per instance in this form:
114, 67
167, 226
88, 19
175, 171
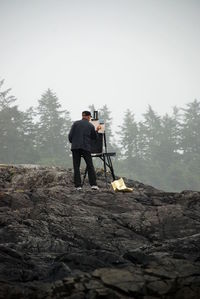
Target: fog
125, 54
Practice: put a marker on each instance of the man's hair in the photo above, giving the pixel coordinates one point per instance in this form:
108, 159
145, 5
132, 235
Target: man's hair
86, 113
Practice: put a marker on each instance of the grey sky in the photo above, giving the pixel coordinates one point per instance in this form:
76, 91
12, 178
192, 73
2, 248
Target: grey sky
125, 54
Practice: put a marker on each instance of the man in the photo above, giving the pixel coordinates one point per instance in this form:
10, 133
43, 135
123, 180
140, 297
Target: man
80, 135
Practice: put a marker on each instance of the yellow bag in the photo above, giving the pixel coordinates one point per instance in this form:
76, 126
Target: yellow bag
119, 185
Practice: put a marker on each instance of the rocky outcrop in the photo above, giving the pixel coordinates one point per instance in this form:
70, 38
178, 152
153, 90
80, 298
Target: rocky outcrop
56, 242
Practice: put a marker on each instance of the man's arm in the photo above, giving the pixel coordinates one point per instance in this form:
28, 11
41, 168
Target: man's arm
70, 135
94, 132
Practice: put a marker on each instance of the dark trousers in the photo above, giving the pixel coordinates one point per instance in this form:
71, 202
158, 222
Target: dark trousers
77, 154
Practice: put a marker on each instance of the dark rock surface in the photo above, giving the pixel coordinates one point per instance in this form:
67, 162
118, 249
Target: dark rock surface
56, 242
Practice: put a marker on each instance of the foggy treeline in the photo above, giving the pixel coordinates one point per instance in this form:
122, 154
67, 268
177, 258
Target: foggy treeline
163, 151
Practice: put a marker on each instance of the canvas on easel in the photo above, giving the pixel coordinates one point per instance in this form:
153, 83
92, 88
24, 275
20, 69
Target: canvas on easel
97, 145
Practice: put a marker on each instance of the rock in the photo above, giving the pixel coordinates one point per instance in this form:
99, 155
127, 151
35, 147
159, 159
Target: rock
56, 242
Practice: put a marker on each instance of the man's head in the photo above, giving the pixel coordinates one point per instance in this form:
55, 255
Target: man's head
86, 115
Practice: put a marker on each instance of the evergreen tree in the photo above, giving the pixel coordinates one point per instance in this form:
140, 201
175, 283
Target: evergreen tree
171, 168
170, 139
190, 141
6, 100
10, 129
28, 135
149, 148
67, 122
92, 109
105, 114
128, 136
53, 128
129, 151
191, 131
150, 132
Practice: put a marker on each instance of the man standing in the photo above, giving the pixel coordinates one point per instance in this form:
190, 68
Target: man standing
80, 135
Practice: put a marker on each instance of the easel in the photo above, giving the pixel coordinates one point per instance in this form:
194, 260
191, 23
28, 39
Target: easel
105, 156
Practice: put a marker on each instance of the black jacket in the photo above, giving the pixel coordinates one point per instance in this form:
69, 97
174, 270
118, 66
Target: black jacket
80, 135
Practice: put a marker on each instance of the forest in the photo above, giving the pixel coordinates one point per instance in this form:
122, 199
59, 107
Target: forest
162, 151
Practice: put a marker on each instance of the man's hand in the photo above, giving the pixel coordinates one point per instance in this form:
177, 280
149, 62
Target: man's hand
98, 128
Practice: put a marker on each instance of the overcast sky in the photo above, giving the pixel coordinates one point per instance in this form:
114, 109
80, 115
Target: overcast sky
122, 53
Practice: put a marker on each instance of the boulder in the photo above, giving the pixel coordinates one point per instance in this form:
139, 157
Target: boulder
56, 242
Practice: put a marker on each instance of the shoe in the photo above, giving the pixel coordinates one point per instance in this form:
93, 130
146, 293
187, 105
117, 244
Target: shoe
78, 188
94, 187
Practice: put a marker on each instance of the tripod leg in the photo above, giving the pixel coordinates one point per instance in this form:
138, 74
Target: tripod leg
104, 165
111, 166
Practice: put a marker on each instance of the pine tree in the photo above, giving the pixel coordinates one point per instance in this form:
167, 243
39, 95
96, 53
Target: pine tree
10, 129
149, 144
191, 131
150, 132
128, 136
6, 100
190, 141
67, 122
105, 115
92, 109
28, 135
170, 139
129, 160
52, 132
